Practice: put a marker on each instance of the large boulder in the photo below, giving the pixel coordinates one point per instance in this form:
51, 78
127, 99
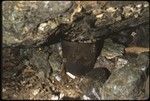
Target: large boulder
127, 82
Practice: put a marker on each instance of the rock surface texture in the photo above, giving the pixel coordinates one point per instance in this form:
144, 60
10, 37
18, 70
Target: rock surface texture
128, 81
32, 23
46, 43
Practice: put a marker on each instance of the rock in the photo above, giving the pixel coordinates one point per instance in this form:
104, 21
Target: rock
85, 97
79, 58
32, 23
140, 36
54, 97
61, 95
111, 50
11, 55
12, 62
123, 37
126, 82
99, 74
46, 58
58, 78
70, 98
120, 63
143, 62
112, 10
83, 28
35, 92
29, 22
3, 90
70, 75
55, 59
109, 64
93, 82
147, 89
40, 75
38, 24
105, 63
39, 60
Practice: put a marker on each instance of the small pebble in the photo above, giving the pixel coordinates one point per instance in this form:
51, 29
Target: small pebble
53, 88
99, 15
40, 75
70, 75
54, 97
42, 26
89, 41
59, 48
133, 34
118, 18
17, 40
95, 94
111, 9
14, 95
3, 90
64, 60
60, 53
121, 63
85, 97
136, 15
139, 5
146, 5
58, 78
61, 95
35, 92
81, 37
23, 82
143, 68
